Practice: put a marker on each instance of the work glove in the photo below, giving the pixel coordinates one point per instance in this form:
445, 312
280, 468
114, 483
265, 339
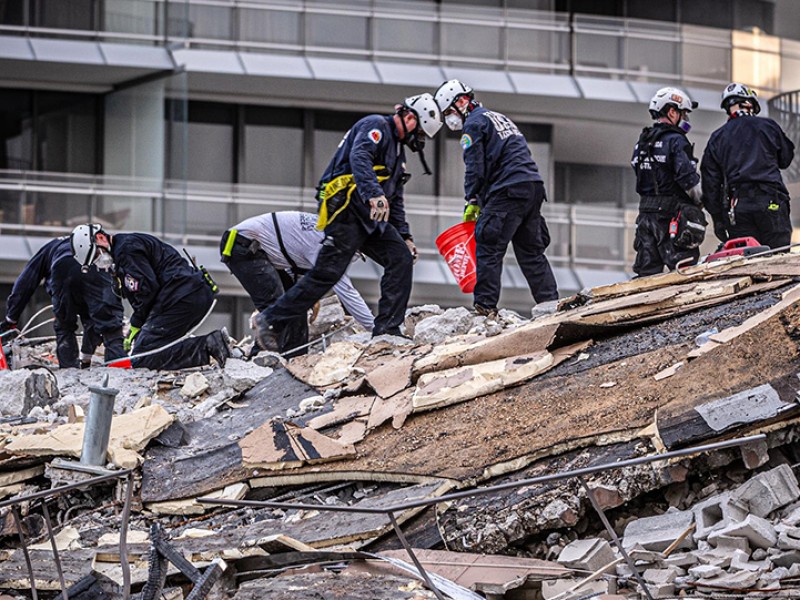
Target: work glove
471, 211
127, 344
379, 209
8, 326
720, 231
413, 249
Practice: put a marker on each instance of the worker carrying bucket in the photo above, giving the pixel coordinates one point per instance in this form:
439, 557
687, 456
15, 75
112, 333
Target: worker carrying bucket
457, 247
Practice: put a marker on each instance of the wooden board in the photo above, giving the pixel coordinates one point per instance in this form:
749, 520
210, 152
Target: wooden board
281, 445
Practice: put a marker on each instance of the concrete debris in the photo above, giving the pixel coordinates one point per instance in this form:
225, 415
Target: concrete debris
374, 422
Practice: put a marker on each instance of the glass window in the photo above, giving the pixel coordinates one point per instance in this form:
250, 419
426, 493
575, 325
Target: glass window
75, 14
705, 54
477, 41
66, 132
124, 16
396, 35
594, 184
12, 13
273, 146
213, 22
337, 31
756, 59
16, 130
210, 151
270, 25
711, 13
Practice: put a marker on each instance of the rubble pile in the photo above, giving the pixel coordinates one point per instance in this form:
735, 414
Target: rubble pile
394, 425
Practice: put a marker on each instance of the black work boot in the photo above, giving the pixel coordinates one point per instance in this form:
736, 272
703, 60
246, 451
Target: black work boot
217, 347
485, 311
266, 336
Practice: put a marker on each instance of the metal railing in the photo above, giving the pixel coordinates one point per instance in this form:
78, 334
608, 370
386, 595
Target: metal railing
47, 204
785, 109
579, 474
439, 34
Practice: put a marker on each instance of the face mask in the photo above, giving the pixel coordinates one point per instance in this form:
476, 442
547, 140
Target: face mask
104, 262
684, 125
454, 122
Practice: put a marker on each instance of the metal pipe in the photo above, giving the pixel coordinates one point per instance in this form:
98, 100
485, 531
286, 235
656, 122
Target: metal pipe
495, 488
598, 509
48, 523
123, 539
98, 424
26, 554
423, 573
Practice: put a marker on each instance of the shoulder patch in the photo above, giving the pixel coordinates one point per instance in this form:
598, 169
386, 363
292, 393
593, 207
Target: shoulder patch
466, 141
375, 135
131, 283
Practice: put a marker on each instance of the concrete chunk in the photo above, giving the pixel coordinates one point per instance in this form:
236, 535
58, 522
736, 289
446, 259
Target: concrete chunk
789, 538
741, 562
785, 559
591, 554
556, 587
767, 491
705, 571
716, 513
727, 542
659, 576
657, 533
759, 532
741, 580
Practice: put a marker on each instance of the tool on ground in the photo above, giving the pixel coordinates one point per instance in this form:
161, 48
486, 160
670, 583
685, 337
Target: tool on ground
744, 246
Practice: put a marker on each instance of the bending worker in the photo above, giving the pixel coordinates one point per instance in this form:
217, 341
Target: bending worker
361, 209
268, 253
73, 294
671, 225
504, 192
168, 296
743, 190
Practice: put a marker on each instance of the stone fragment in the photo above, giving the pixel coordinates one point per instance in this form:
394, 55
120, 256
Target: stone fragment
195, 385
758, 531
705, 571
242, 375
740, 561
715, 513
607, 496
786, 558
715, 556
683, 560
659, 532
311, 403
740, 580
662, 590
789, 538
727, 542
590, 554
439, 328
659, 576
23, 389
416, 314
755, 454
767, 491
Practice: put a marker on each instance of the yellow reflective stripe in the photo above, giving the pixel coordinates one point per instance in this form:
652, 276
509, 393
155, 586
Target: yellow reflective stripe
229, 242
336, 185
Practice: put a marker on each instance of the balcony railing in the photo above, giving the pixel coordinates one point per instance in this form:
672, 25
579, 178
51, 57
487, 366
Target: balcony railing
438, 34
785, 109
52, 204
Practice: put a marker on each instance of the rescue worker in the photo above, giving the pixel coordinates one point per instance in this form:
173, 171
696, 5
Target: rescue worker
168, 296
670, 226
504, 192
361, 209
742, 186
73, 294
268, 253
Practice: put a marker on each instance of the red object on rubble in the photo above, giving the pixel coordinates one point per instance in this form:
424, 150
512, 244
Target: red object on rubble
457, 247
744, 246
3, 361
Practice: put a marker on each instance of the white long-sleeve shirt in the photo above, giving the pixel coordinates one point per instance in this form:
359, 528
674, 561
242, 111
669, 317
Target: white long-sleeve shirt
303, 242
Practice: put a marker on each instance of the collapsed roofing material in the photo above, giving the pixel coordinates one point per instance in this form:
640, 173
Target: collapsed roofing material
613, 375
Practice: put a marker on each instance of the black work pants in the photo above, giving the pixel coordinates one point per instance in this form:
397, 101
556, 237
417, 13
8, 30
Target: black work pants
264, 285
91, 297
343, 238
765, 218
513, 215
653, 246
167, 325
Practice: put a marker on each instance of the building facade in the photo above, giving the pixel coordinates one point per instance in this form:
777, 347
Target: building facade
182, 117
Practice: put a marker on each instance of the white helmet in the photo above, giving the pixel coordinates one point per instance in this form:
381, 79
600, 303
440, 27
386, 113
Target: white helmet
449, 92
736, 93
84, 244
426, 111
670, 96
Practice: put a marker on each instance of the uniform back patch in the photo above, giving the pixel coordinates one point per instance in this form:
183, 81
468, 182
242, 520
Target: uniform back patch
375, 135
465, 142
131, 284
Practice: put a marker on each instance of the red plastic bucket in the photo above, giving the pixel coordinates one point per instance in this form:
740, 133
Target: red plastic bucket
457, 246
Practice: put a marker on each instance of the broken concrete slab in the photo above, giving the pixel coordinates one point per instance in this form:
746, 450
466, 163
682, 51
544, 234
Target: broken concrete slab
740, 580
567, 588
768, 491
130, 433
242, 375
757, 404
335, 365
589, 554
659, 532
437, 329
195, 385
759, 532
23, 389
715, 513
